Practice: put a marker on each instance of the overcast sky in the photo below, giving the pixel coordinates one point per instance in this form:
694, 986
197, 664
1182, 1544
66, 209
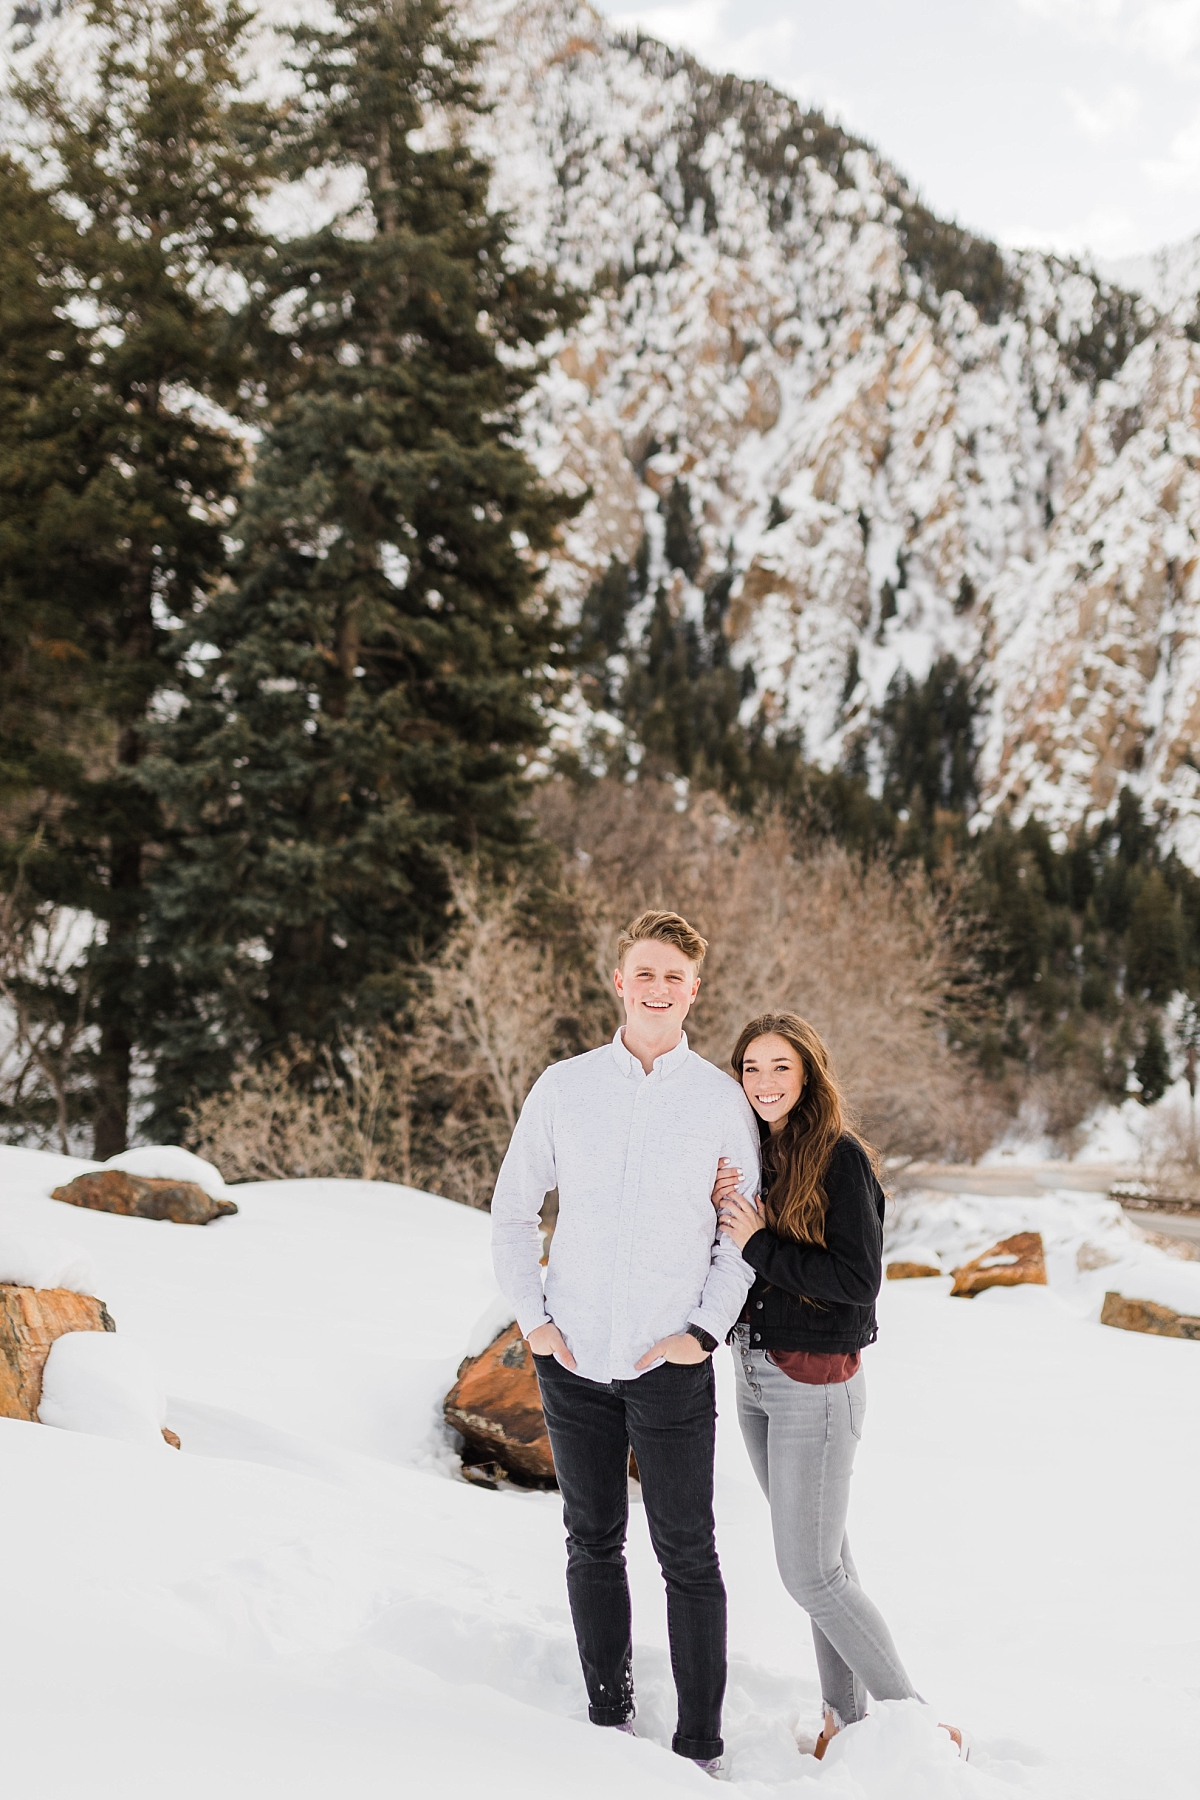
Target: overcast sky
1064, 124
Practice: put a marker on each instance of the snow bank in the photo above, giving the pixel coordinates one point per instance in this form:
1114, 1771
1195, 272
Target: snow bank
44, 1262
37, 1247
494, 1319
1090, 1245
308, 1600
898, 1753
170, 1162
337, 1310
1113, 1134
95, 1381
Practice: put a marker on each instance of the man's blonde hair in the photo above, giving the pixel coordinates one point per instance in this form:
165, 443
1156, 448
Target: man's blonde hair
664, 928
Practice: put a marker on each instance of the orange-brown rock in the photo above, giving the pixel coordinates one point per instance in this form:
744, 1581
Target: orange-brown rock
1013, 1262
1147, 1315
137, 1196
172, 1437
30, 1320
496, 1406
910, 1271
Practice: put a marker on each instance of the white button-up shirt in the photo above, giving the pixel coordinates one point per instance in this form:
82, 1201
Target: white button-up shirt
636, 1255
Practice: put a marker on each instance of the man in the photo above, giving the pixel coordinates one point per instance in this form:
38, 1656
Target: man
639, 1291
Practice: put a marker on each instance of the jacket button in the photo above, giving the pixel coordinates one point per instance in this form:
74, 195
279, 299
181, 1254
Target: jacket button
758, 1304
758, 1337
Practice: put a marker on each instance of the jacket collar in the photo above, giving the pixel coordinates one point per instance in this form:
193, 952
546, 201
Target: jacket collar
663, 1065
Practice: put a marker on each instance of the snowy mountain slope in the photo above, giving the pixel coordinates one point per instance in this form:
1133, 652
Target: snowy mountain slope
893, 440
888, 469
1094, 650
1169, 278
308, 1600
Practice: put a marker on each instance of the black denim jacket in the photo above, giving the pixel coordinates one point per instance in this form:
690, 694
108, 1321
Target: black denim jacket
808, 1298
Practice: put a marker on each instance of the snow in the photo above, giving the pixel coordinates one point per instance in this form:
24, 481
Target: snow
1169, 278
1118, 1133
1090, 1246
97, 1382
45, 1262
170, 1162
308, 1598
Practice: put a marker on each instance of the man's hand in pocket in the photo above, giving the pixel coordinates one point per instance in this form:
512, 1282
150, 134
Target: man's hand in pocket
548, 1340
682, 1348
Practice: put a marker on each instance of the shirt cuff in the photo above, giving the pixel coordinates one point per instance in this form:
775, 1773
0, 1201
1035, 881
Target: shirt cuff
529, 1318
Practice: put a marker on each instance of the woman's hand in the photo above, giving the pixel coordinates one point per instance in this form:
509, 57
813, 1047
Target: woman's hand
740, 1218
726, 1182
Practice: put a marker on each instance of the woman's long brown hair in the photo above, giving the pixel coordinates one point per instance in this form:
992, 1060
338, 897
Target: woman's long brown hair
796, 1160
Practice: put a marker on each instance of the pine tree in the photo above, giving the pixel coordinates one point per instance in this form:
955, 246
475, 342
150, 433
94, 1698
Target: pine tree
153, 161
383, 653
1152, 1065
681, 540
47, 455
1154, 958
928, 740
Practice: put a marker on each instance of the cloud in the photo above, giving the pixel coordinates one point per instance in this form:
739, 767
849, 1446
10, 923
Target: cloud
1166, 29
1178, 173
709, 29
1098, 120
1163, 31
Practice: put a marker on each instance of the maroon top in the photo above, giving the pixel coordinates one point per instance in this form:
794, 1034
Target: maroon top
816, 1368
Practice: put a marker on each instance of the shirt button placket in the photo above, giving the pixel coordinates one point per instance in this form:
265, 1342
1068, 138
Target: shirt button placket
621, 1347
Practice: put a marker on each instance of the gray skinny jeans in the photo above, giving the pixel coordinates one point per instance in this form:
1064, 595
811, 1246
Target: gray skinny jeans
802, 1442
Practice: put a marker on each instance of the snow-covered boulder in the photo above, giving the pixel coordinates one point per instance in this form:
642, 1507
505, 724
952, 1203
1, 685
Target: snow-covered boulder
32, 1320
105, 1386
170, 1162
1147, 1315
497, 1407
1089, 1244
135, 1196
1014, 1262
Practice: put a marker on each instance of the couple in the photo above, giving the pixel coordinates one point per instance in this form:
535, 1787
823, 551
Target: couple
642, 1138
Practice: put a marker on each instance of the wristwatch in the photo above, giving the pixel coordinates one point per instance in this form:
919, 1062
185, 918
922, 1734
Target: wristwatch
705, 1339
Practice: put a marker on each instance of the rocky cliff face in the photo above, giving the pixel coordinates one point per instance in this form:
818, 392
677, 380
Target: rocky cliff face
877, 437
893, 439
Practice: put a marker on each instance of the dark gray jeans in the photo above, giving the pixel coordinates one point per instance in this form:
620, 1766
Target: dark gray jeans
669, 1417
802, 1442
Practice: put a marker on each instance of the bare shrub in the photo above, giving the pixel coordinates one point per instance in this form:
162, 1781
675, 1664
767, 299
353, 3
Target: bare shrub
504, 999
1058, 1101
435, 1106
1170, 1150
276, 1122
874, 960
870, 960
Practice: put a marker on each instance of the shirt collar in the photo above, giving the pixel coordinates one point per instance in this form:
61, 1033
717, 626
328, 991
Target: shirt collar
663, 1065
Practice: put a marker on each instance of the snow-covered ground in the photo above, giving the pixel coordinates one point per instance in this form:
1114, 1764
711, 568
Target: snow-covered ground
308, 1601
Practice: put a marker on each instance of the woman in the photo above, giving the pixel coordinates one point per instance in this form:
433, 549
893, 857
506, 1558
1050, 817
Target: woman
816, 1247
